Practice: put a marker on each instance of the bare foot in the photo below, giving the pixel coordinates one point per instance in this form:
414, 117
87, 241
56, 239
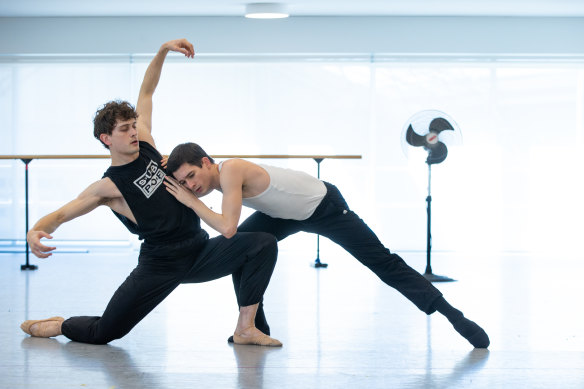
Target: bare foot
43, 328
254, 336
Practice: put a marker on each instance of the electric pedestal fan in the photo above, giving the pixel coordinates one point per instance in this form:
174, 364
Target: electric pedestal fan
432, 130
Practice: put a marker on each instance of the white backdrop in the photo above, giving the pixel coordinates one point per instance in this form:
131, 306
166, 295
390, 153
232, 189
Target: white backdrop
513, 185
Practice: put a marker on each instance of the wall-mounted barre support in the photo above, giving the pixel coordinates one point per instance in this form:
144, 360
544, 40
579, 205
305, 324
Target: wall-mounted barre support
28, 158
27, 265
317, 262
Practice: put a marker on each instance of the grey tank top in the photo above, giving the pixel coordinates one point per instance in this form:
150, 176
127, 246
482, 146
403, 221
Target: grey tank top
291, 194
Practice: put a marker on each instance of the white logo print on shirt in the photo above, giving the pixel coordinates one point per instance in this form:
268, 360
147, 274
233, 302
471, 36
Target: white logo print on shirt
150, 180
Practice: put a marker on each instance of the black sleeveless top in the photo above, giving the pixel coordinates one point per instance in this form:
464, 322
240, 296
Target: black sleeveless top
161, 218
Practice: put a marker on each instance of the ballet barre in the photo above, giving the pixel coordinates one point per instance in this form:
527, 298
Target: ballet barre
28, 158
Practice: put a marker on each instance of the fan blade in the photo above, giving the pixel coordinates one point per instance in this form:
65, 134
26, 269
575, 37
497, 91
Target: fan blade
415, 139
436, 153
440, 124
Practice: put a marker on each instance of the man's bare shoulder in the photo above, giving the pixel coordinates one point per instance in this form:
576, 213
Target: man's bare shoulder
236, 165
104, 189
252, 178
232, 172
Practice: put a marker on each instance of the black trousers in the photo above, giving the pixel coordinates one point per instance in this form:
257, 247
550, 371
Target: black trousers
249, 257
333, 219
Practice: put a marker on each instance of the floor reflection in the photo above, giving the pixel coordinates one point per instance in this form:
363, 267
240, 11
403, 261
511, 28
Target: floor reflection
251, 361
116, 364
341, 327
445, 370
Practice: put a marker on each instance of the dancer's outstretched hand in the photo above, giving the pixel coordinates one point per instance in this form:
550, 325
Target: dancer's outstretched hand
36, 247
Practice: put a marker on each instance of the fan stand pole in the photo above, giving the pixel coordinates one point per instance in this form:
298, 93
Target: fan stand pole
428, 273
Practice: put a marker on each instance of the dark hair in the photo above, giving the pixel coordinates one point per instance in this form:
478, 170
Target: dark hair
106, 117
190, 153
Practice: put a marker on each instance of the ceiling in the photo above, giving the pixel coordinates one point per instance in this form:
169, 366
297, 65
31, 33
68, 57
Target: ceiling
48, 8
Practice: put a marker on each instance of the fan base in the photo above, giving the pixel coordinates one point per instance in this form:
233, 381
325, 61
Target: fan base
436, 278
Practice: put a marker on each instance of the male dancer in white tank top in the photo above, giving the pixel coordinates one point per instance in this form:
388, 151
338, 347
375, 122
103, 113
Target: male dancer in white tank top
288, 201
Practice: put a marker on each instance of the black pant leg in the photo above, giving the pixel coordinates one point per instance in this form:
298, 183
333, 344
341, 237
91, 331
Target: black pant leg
148, 284
260, 222
341, 225
250, 257
161, 270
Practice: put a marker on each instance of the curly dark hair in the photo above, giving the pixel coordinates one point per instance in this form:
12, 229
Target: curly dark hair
106, 117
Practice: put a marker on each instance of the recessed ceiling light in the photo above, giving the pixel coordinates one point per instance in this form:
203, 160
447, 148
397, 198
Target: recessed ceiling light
266, 11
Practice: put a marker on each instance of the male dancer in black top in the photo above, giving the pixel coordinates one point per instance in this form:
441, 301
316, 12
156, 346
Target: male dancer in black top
175, 250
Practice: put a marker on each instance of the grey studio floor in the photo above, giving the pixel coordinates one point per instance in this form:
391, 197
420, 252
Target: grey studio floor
341, 326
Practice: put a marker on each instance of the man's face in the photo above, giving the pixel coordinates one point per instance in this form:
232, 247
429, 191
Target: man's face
124, 137
197, 179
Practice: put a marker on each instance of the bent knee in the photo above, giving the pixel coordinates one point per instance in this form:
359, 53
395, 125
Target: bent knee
268, 244
267, 239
